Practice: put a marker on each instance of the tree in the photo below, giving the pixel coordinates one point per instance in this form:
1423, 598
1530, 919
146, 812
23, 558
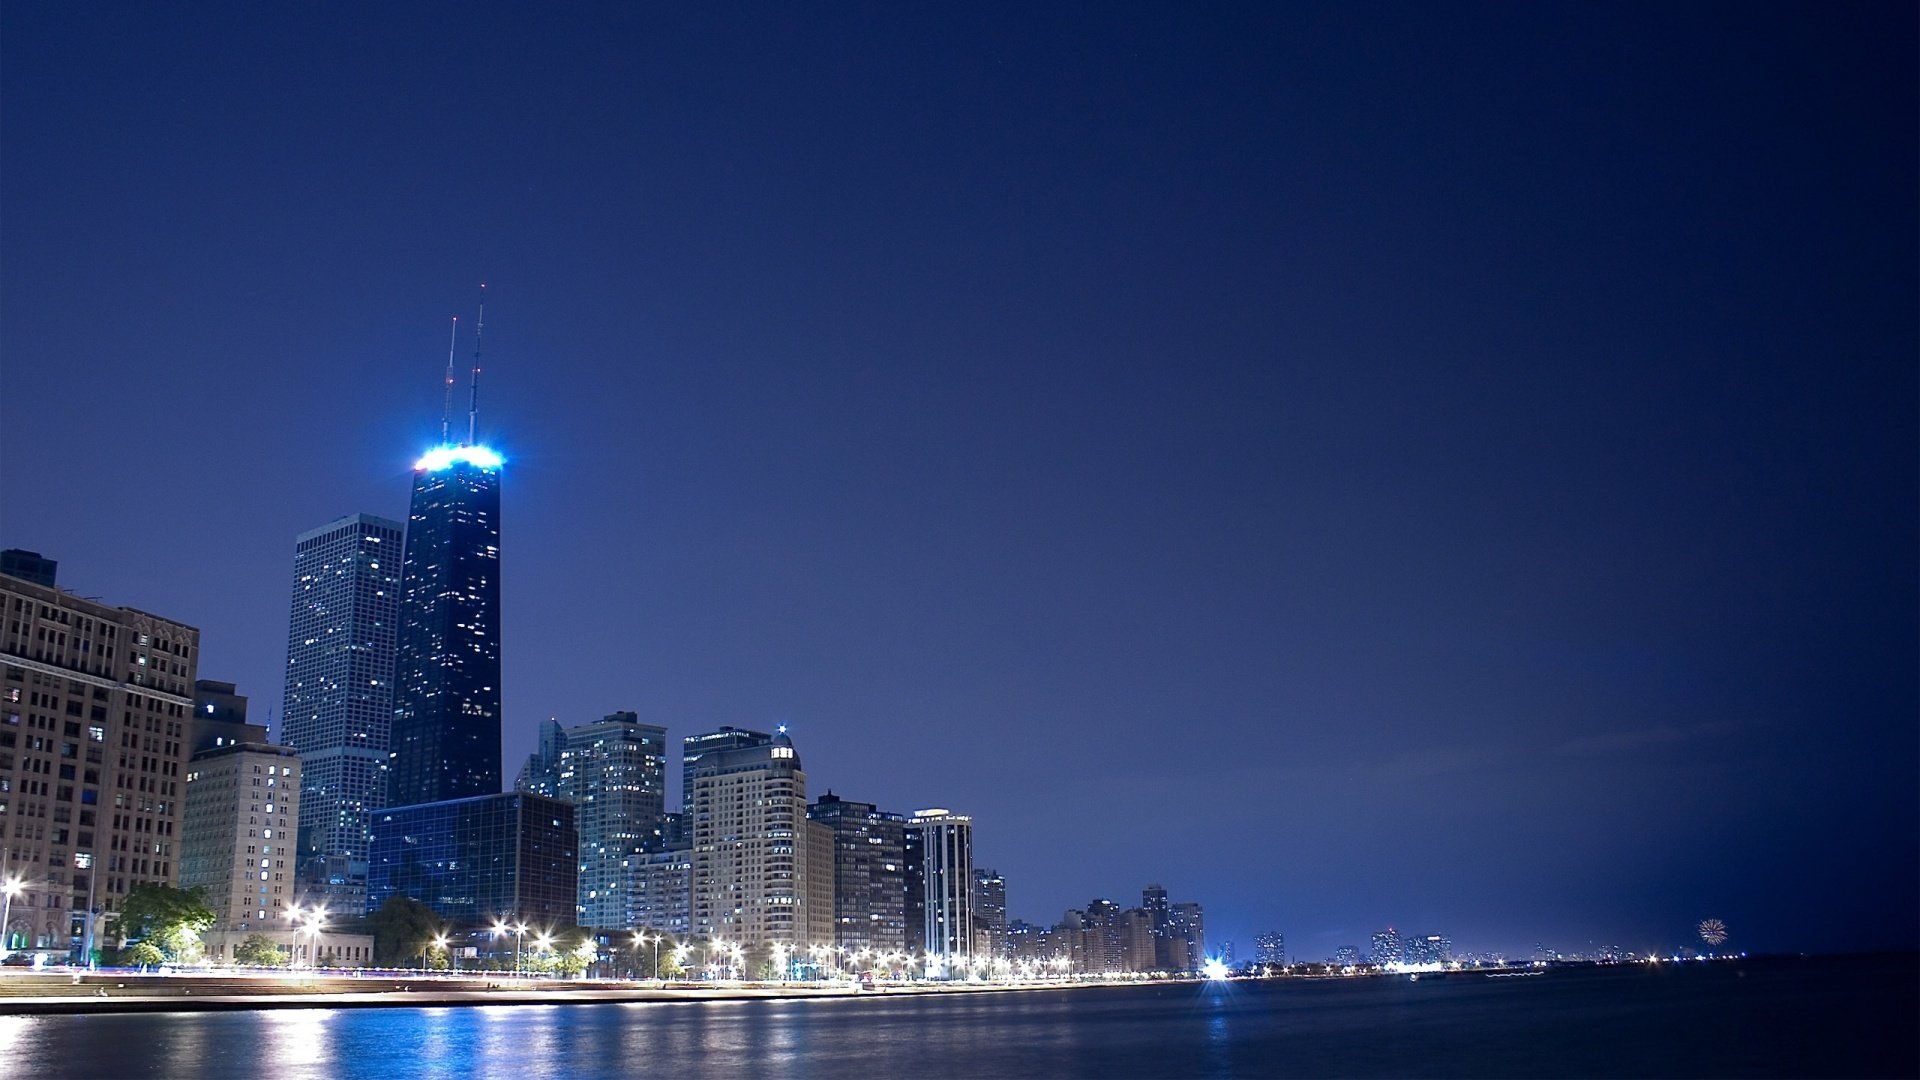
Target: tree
259, 950
167, 918
143, 954
402, 930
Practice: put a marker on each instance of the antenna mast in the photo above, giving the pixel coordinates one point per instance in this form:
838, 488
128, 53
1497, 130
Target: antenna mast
446, 410
473, 405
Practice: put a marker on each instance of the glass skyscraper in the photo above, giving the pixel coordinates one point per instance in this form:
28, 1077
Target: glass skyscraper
446, 717
615, 775
338, 706
510, 856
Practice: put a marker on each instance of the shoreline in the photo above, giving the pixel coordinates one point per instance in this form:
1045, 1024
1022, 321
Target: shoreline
110, 994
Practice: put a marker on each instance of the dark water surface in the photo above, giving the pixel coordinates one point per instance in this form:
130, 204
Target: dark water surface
1826, 1017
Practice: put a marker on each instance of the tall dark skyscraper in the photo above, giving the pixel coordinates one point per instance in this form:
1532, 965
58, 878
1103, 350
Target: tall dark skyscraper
446, 717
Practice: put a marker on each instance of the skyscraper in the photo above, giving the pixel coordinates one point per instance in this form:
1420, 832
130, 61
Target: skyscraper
235, 841
939, 851
1386, 947
989, 913
750, 855
1270, 948
869, 874
338, 706
1187, 930
614, 774
507, 856
694, 747
446, 717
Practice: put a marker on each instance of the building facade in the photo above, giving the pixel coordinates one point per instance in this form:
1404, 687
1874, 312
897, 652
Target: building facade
1187, 935
511, 856
95, 703
938, 845
869, 875
663, 892
1270, 948
695, 747
614, 774
989, 913
237, 836
446, 721
749, 851
337, 709
1386, 948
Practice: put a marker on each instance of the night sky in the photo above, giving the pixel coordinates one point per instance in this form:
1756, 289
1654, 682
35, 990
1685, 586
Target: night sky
1432, 465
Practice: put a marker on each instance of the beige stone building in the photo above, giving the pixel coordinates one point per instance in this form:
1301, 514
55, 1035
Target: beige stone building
94, 706
237, 833
752, 850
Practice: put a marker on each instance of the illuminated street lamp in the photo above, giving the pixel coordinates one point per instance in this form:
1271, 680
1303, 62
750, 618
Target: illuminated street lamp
8, 888
440, 942
316, 921
519, 932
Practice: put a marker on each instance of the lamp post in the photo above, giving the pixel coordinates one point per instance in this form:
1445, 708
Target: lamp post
656, 956
519, 932
440, 942
8, 888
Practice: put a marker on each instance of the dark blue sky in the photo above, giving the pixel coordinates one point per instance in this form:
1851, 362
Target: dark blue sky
1436, 465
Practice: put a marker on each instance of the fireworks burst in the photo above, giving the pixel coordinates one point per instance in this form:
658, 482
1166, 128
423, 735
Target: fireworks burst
1713, 932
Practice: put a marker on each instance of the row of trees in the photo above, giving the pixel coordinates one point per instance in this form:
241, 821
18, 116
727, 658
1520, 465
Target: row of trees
159, 924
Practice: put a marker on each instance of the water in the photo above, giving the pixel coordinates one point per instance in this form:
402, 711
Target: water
1833, 1017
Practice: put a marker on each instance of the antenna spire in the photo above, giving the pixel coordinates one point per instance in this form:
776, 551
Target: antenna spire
446, 410
473, 404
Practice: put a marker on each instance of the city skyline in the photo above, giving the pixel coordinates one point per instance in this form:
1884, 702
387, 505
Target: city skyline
1142, 430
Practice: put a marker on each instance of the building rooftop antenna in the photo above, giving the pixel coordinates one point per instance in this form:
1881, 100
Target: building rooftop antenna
446, 410
473, 405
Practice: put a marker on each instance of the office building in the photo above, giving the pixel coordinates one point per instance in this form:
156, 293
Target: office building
614, 774
511, 856
29, 566
446, 719
869, 875
220, 718
237, 834
1347, 956
337, 709
939, 861
95, 703
750, 854
1270, 948
989, 913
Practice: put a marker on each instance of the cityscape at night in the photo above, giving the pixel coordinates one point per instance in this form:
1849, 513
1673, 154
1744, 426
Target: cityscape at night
1196, 531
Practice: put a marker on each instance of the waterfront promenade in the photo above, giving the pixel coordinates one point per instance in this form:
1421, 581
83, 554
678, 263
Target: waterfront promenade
63, 992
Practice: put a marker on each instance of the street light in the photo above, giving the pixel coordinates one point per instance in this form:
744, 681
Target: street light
8, 888
440, 942
519, 932
316, 921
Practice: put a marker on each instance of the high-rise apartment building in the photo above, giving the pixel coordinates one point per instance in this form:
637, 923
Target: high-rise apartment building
614, 774
237, 834
1386, 947
446, 719
510, 856
337, 710
1270, 948
1187, 931
695, 747
95, 703
939, 860
1153, 900
1139, 951
869, 875
663, 891
989, 913
750, 854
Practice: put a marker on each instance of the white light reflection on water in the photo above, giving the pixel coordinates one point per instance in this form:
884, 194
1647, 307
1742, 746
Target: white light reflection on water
301, 1041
